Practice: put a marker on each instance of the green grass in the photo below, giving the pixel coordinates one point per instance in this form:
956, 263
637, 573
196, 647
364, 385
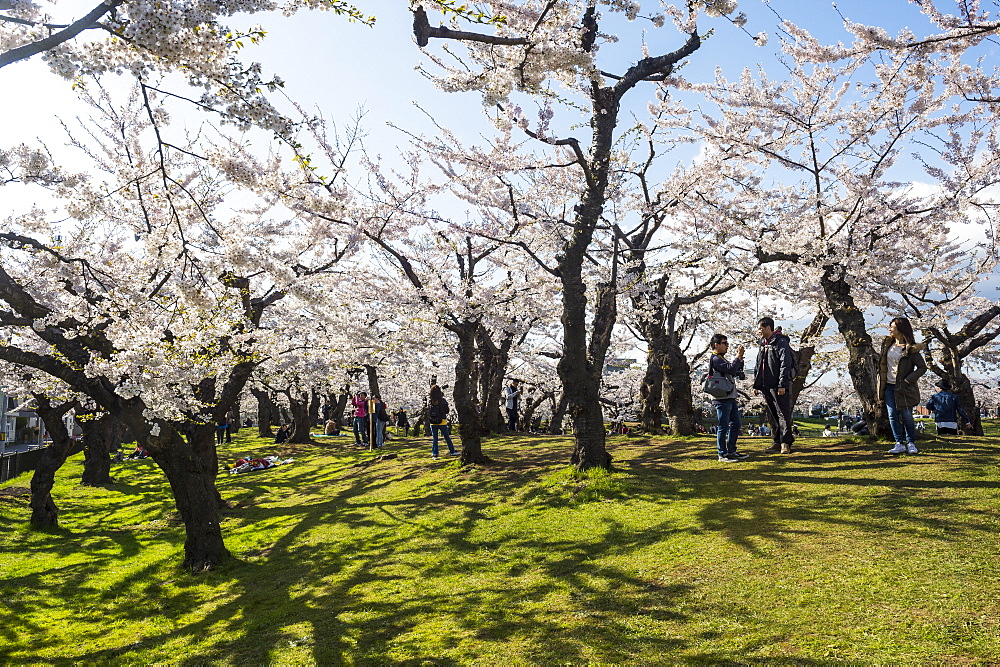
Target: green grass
834, 553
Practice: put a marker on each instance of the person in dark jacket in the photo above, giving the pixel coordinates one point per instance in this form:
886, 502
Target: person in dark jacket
727, 409
437, 415
773, 378
900, 366
947, 409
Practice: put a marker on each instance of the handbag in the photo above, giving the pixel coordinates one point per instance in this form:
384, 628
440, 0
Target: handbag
717, 386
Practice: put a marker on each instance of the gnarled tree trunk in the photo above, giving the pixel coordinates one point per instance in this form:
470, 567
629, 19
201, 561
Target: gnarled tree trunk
558, 413
493, 360
651, 389
44, 513
298, 407
265, 413
468, 417
862, 361
100, 436
677, 399
531, 405
187, 465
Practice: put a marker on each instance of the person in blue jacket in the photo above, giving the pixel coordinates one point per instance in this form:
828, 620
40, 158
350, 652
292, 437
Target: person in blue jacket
946, 408
727, 409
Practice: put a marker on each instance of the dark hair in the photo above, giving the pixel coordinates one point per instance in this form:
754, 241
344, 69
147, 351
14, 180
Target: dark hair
717, 338
904, 327
766, 322
436, 394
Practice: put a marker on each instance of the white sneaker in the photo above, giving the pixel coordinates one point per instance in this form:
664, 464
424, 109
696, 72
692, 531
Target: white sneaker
900, 448
911, 448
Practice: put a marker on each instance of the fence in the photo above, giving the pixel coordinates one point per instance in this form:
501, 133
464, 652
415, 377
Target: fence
14, 463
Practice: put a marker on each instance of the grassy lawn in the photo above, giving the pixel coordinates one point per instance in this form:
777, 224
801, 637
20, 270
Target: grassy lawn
833, 553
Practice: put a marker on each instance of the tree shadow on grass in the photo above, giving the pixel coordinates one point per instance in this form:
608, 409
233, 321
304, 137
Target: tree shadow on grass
377, 591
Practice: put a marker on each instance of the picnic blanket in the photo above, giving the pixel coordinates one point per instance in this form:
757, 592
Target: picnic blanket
248, 464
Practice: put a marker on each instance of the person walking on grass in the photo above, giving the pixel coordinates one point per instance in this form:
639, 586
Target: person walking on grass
773, 378
437, 415
900, 366
727, 409
947, 409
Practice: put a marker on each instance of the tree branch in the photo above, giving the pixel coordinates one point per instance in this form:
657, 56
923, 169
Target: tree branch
74, 29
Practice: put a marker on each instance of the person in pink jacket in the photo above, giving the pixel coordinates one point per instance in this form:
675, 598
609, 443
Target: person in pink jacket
360, 403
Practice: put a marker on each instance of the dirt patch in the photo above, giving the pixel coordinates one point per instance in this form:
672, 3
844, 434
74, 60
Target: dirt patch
15, 491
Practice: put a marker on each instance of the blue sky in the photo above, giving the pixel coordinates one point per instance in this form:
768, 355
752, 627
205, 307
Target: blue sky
339, 67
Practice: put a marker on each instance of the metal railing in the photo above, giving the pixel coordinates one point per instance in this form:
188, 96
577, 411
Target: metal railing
13, 464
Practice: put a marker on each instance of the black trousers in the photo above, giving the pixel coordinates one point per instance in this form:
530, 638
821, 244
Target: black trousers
780, 410
512, 419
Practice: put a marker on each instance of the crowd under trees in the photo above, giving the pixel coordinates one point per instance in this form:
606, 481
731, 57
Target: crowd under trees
633, 206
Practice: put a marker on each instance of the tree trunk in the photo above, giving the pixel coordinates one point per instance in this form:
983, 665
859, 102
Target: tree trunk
651, 389
953, 373
298, 406
803, 356
44, 513
863, 359
265, 411
193, 485
100, 436
558, 412
968, 400
493, 360
372, 373
532, 405
803, 364
341, 407
469, 425
314, 405
677, 397
580, 374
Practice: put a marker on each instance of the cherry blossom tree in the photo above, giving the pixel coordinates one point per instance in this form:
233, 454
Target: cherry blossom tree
149, 297
833, 137
541, 47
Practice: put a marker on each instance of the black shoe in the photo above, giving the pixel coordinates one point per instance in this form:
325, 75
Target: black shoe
740, 455
728, 458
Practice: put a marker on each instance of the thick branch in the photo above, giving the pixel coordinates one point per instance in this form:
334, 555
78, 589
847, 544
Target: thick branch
423, 31
74, 29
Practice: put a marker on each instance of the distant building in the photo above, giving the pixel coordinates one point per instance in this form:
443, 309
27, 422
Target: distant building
619, 365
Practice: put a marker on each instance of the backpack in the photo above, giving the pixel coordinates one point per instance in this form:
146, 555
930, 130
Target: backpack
436, 413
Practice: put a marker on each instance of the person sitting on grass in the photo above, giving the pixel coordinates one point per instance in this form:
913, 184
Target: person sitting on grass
947, 409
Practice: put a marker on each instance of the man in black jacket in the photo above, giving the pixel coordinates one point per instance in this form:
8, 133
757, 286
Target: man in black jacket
775, 370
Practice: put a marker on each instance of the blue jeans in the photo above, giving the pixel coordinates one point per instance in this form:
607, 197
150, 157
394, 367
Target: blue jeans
728, 413
904, 429
379, 432
361, 430
446, 432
